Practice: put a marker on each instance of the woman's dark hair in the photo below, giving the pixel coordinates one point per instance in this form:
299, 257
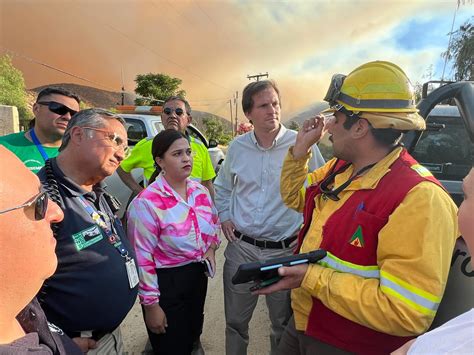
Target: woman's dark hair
161, 143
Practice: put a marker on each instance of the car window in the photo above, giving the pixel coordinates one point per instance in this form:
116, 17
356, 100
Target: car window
136, 131
445, 148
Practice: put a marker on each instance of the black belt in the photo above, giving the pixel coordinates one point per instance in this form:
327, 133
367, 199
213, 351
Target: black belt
96, 334
268, 244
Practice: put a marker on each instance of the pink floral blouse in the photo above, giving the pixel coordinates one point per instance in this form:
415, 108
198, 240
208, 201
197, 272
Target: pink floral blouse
167, 231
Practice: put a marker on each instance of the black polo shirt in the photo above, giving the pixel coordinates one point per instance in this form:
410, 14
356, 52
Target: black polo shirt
90, 288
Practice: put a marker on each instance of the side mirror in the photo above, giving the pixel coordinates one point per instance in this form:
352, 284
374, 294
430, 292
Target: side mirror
212, 143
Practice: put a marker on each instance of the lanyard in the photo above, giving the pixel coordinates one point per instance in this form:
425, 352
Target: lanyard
38, 145
112, 237
332, 193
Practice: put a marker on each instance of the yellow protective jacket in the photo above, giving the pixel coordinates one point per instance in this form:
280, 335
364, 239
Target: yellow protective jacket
419, 265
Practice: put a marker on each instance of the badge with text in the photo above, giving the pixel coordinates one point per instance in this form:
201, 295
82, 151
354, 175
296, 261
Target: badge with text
87, 237
132, 273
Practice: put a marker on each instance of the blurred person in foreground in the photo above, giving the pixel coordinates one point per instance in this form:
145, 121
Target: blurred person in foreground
457, 335
53, 109
174, 227
387, 224
96, 282
28, 258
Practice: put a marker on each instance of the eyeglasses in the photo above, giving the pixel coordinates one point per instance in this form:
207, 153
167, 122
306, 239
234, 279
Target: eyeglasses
115, 139
179, 111
40, 202
57, 108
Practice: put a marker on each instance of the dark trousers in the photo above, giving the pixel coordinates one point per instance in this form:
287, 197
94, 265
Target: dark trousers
182, 294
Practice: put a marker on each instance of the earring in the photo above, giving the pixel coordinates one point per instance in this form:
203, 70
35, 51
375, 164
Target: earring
163, 172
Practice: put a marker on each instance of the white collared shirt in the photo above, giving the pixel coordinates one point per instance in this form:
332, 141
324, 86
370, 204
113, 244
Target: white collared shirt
248, 187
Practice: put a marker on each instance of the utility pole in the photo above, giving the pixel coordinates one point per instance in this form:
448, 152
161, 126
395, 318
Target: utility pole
235, 102
257, 76
123, 88
231, 121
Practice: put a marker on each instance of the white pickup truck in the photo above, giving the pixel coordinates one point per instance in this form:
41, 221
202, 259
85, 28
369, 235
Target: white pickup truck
141, 126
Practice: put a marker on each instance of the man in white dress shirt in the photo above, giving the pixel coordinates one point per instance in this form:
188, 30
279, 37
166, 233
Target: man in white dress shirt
254, 218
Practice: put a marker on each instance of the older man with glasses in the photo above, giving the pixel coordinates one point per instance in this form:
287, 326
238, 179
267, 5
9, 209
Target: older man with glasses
53, 109
95, 285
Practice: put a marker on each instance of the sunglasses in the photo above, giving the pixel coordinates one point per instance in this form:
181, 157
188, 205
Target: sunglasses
40, 203
179, 111
57, 108
115, 139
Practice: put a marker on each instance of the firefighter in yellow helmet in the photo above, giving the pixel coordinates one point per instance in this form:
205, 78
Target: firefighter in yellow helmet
386, 223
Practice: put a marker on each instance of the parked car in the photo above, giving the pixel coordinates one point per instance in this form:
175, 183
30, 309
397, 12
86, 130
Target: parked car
140, 126
446, 148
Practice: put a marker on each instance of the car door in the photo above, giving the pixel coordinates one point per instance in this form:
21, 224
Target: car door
446, 148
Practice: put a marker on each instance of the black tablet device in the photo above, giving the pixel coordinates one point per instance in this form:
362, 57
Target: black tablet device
268, 270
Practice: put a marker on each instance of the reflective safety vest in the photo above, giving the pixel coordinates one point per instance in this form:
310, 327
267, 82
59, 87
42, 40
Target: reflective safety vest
362, 216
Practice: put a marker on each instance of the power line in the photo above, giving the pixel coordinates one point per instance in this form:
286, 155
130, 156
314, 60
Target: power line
49, 66
156, 53
449, 42
257, 76
219, 29
166, 59
56, 69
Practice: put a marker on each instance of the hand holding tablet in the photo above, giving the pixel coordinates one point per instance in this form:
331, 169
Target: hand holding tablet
266, 273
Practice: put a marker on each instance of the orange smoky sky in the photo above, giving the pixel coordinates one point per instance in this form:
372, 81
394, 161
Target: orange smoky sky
213, 45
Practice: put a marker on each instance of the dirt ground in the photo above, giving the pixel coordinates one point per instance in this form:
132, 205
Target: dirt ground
135, 337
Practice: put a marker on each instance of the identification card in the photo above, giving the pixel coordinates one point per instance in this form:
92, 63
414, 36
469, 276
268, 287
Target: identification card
132, 273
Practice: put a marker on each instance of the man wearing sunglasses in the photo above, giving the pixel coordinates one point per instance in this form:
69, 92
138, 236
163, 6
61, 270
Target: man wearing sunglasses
388, 226
176, 115
53, 109
95, 285
28, 258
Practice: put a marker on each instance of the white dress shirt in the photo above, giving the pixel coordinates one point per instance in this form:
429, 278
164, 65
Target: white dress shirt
248, 187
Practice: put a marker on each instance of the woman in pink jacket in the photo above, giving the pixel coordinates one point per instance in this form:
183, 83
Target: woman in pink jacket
174, 227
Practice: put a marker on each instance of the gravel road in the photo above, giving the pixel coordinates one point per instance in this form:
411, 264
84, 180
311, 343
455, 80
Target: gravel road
135, 337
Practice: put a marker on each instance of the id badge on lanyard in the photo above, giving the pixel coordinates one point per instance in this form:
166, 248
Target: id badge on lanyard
114, 240
131, 272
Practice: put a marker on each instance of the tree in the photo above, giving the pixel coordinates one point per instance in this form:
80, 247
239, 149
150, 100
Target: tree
461, 50
154, 88
12, 87
215, 130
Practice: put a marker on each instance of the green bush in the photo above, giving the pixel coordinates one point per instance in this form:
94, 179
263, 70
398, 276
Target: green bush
12, 88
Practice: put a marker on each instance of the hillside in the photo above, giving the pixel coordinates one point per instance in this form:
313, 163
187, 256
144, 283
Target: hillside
94, 97
308, 112
325, 146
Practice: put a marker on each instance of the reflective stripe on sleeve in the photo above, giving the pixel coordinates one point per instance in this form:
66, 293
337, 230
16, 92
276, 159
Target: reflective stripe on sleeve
333, 262
423, 301
418, 299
